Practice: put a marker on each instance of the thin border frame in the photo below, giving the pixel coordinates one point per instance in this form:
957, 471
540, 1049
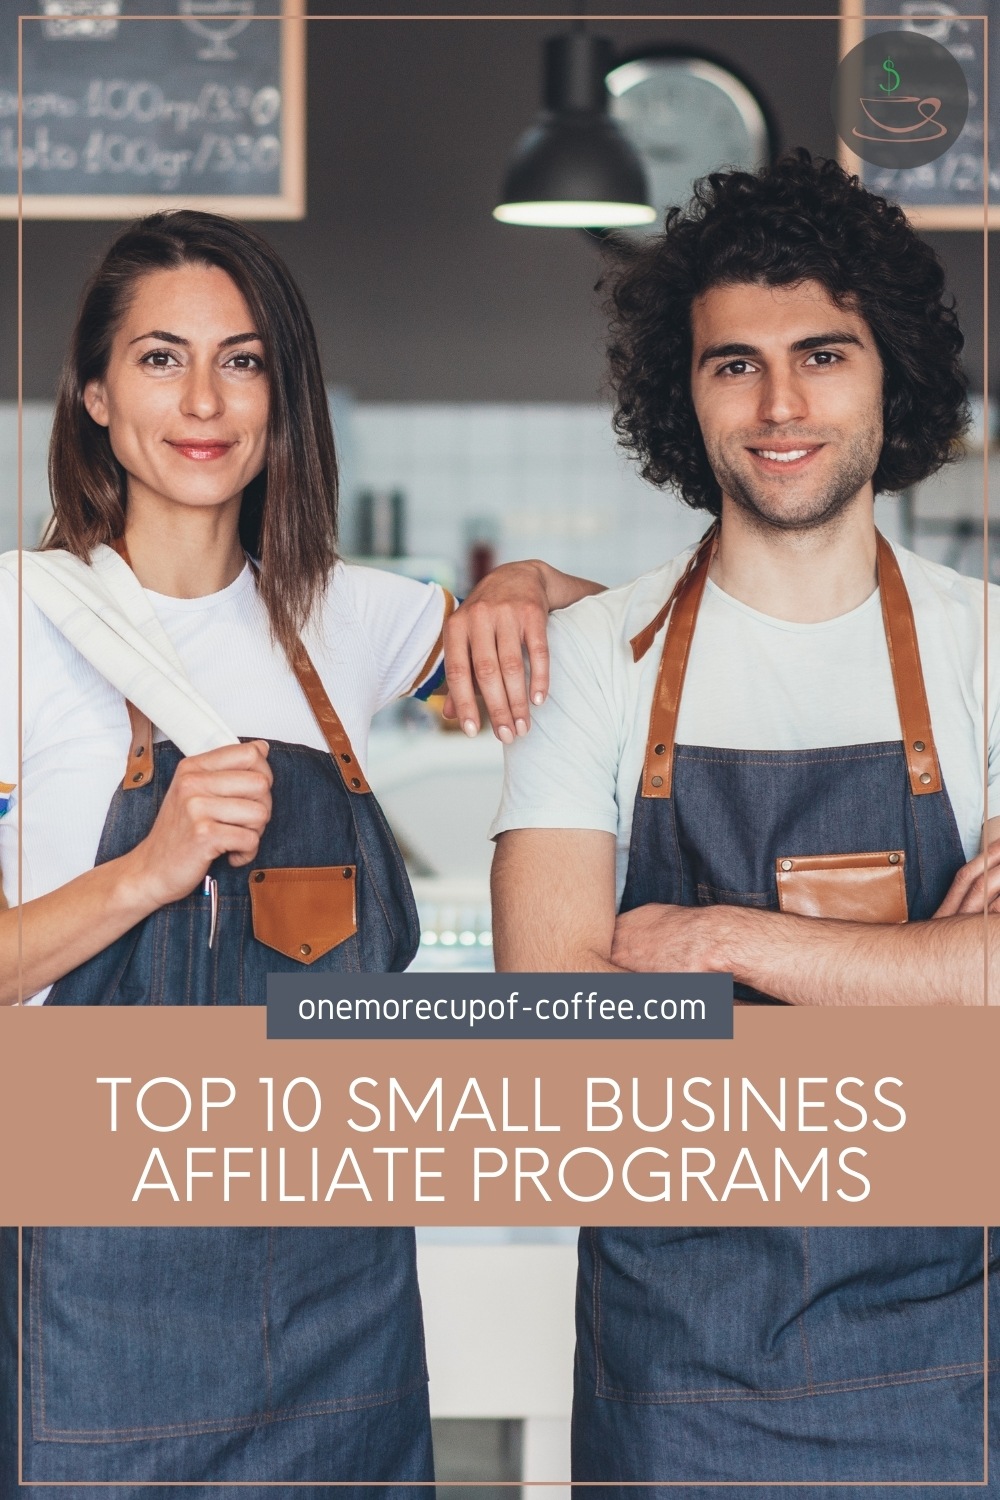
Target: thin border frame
639, 1484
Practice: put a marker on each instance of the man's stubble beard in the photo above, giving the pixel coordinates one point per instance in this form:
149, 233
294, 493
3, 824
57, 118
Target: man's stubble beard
771, 511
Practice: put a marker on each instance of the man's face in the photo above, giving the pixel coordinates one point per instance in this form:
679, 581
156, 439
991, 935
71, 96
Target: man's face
787, 388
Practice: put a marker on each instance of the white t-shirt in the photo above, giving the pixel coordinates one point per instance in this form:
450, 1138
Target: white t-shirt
753, 683
373, 638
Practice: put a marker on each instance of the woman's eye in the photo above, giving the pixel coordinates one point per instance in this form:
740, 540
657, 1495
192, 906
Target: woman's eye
159, 359
245, 361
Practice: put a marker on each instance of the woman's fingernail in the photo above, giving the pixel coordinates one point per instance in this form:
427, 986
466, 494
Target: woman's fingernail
471, 728
505, 734
521, 728
538, 698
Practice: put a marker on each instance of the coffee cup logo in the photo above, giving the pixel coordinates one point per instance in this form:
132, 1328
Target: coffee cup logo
899, 100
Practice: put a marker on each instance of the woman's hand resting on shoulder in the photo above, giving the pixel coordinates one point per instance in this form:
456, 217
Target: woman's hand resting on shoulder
505, 616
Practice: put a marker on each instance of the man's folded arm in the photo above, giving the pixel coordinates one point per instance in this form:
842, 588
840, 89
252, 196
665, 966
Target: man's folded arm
954, 959
554, 900
813, 961
554, 910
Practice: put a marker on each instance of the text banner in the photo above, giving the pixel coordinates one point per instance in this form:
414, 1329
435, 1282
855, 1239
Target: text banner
192, 1116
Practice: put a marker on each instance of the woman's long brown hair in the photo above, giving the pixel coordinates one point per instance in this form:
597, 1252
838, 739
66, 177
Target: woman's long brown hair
288, 519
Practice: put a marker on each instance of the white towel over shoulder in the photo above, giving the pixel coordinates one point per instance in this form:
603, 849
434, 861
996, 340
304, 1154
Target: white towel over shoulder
103, 612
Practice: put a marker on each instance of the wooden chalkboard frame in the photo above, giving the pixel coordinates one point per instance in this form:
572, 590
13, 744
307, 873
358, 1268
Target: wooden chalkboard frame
288, 203
921, 215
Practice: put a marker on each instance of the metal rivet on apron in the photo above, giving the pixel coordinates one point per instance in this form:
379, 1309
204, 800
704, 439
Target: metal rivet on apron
894, 859
657, 780
137, 778
305, 948
919, 745
258, 875
925, 778
659, 749
139, 750
786, 864
355, 782
345, 757
347, 874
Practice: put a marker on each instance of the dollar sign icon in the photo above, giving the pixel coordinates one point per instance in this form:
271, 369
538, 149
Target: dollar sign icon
890, 72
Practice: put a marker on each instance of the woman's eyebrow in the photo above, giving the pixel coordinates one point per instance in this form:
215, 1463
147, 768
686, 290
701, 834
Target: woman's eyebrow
175, 338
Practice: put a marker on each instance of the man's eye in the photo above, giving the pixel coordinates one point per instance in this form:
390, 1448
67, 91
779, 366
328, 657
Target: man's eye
735, 367
824, 357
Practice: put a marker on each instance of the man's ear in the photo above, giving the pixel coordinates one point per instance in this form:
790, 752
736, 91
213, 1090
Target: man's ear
96, 402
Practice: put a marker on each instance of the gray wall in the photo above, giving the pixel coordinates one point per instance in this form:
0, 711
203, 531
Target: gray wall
417, 293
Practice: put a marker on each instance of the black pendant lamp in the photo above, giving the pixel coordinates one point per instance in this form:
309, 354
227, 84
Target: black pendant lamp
573, 168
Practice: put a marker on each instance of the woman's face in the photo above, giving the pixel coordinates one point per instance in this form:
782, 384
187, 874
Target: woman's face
185, 394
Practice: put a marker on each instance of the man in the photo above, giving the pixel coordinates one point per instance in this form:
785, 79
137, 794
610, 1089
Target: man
807, 743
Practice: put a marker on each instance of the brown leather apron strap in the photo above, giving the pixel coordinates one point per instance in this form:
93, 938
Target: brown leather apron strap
643, 639
140, 755
139, 769
907, 675
904, 660
326, 717
658, 767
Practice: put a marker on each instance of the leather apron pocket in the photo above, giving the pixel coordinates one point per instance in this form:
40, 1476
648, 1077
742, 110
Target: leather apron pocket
848, 887
303, 913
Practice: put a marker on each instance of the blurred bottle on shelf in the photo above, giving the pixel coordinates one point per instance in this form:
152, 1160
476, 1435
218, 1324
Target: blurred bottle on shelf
381, 523
482, 541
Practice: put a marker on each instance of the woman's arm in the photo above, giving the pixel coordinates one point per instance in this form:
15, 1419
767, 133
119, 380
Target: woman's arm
217, 803
55, 933
504, 616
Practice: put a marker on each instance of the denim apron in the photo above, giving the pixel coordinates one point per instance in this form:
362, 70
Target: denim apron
780, 1355
247, 1355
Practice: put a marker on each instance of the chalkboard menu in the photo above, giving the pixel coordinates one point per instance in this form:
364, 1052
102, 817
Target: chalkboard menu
947, 193
127, 106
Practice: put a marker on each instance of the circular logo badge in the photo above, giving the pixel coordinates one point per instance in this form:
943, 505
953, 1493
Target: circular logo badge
899, 100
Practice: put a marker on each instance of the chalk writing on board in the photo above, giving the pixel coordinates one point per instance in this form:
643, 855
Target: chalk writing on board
116, 140
128, 105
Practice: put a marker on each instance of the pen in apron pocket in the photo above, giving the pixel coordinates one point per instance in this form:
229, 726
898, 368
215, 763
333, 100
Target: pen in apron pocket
210, 888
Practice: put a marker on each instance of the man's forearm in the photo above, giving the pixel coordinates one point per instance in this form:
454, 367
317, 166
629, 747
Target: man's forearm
811, 961
814, 961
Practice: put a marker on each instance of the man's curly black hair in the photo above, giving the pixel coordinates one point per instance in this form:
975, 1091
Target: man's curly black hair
797, 220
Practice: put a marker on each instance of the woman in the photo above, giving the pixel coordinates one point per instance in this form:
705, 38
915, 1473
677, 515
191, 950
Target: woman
191, 429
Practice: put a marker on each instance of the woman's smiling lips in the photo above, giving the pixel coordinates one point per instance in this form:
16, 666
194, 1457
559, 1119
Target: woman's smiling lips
199, 449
